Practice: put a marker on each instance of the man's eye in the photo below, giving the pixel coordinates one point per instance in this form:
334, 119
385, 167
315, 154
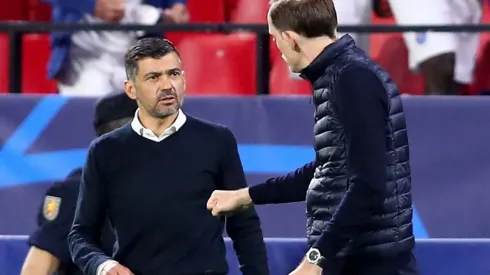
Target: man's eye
176, 73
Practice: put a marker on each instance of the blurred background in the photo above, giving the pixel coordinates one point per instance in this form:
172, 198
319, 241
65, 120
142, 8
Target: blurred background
51, 76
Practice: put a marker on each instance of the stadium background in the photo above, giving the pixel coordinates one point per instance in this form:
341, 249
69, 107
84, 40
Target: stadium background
43, 137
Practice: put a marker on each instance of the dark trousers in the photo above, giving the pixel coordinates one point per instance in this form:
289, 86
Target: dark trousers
402, 264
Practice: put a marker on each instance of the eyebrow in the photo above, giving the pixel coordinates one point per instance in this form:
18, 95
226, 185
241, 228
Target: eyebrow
176, 69
154, 73
157, 73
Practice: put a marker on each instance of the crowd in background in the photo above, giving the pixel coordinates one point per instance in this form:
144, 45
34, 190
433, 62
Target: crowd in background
89, 63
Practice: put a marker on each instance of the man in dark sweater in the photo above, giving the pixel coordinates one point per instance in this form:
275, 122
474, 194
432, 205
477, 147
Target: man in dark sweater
358, 189
153, 177
48, 247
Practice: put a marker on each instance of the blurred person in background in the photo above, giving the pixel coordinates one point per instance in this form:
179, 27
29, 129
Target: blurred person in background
48, 251
90, 63
446, 60
352, 13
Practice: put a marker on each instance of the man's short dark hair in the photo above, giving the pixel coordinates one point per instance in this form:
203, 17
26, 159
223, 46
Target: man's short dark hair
309, 18
112, 125
150, 47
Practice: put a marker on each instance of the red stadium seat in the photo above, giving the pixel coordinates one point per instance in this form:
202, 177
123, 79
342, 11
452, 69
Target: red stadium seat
4, 64
248, 11
481, 80
377, 40
251, 12
209, 11
36, 51
38, 11
35, 55
274, 52
281, 82
220, 64
13, 10
394, 58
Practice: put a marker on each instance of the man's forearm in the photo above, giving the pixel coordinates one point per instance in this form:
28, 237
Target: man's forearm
86, 253
248, 242
289, 188
39, 262
355, 208
90, 216
243, 227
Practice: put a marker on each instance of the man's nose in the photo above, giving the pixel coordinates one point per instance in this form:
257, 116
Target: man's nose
165, 83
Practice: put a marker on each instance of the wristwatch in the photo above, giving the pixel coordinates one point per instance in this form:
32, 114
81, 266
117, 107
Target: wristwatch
313, 256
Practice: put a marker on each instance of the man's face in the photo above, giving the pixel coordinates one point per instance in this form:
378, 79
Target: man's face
286, 45
159, 86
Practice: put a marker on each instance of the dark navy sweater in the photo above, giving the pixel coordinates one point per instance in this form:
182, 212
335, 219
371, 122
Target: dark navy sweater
155, 194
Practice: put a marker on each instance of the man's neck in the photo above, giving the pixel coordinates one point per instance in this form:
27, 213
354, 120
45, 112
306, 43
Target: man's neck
156, 125
314, 47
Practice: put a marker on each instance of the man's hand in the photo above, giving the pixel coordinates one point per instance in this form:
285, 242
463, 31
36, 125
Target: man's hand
177, 14
223, 202
111, 11
119, 270
305, 268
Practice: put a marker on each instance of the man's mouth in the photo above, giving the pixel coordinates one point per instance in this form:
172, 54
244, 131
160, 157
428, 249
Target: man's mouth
169, 99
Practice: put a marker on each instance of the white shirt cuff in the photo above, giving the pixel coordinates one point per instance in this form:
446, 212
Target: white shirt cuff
105, 267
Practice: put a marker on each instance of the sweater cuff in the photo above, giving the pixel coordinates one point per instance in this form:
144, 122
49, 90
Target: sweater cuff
97, 264
329, 244
105, 267
258, 193
332, 265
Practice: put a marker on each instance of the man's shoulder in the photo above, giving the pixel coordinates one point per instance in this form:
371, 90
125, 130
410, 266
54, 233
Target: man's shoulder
362, 65
118, 136
206, 126
360, 74
357, 68
65, 188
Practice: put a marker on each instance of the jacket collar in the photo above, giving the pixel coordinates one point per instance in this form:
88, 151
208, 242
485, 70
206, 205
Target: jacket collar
327, 57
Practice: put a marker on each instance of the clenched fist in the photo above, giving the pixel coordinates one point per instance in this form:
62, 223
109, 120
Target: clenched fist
225, 202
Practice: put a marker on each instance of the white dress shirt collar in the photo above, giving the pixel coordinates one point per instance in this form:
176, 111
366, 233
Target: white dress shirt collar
147, 133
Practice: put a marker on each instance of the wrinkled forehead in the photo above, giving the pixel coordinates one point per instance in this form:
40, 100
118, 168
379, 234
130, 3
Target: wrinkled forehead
165, 63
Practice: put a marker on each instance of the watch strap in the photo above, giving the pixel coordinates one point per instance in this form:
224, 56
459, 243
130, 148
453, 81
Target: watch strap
322, 262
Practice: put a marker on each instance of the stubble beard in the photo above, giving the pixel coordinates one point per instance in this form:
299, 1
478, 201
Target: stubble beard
165, 111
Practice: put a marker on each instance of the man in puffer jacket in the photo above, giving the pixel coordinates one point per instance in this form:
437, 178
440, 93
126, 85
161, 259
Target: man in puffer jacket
358, 189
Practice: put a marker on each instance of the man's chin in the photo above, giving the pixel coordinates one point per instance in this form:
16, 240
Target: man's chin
167, 111
294, 70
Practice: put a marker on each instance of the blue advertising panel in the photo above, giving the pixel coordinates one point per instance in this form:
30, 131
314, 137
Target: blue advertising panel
43, 138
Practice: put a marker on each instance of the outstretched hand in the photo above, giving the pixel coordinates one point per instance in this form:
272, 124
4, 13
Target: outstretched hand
224, 202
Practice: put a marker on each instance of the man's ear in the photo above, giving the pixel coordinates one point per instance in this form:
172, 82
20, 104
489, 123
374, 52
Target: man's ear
130, 89
185, 81
291, 38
